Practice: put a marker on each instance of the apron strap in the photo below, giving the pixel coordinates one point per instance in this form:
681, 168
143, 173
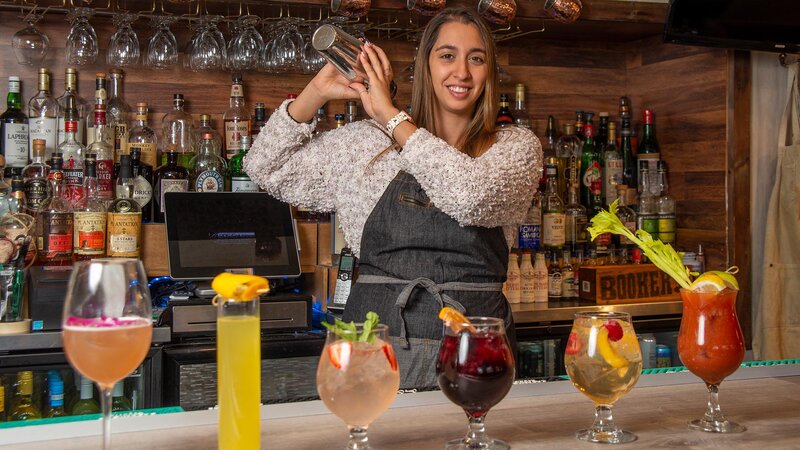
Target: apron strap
791, 113
433, 288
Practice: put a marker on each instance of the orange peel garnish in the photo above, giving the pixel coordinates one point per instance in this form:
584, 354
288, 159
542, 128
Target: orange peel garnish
239, 287
455, 320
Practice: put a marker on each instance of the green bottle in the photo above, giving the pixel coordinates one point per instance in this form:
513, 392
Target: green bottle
240, 181
87, 403
118, 400
591, 166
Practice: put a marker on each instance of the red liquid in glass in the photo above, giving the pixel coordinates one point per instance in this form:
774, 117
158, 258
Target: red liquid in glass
710, 342
475, 371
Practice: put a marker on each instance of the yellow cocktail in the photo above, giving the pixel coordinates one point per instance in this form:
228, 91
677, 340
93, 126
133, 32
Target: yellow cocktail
239, 382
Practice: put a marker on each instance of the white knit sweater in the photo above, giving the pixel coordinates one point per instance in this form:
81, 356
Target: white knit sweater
329, 172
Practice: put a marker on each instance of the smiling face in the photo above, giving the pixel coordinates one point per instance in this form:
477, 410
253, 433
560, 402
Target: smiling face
458, 69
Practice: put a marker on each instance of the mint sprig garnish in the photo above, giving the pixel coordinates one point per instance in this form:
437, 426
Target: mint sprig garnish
348, 330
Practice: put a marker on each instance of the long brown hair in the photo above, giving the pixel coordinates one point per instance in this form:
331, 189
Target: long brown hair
479, 134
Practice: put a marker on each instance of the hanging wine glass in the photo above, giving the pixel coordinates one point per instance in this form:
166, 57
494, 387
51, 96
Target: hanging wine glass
245, 48
123, 47
205, 52
30, 44
81, 47
267, 58
162, 51
215, 31
311, 60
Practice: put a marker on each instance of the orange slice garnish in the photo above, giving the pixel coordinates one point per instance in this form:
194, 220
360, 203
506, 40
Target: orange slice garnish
239, 287
455, 320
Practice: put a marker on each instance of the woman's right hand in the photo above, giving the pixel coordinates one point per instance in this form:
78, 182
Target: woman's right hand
328, 84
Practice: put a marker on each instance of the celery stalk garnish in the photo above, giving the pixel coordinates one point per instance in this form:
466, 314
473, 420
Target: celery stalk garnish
662, 255
348, 330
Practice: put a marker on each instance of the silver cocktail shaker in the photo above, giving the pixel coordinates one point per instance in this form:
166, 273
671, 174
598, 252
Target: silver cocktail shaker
342, 50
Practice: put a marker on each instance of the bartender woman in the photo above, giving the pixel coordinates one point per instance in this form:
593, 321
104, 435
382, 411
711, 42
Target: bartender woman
430, 201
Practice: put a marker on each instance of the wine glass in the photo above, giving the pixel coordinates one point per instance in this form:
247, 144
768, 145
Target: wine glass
475, 370
162, 50
358, 380
123, 47
711, 346
107, 324
604, 362
244, 49
81, 47
30, 44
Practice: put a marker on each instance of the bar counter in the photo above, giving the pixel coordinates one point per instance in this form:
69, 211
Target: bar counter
533, 416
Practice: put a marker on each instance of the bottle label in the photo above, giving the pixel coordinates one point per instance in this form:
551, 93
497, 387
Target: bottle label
553, 233
649, 223
623, 240
666, 228
243, 184
554, 284
120, 139
209, 181
56, 400
530, 236
36, 193
612, 177
234, 130
171, 186
73, 181
79, 131
573, 169
57, 235
148, 152
569, 284
236, 90
591, 174
124, 230
90, 233
540, 285
15, 144
105, 178
527, 279
575, 228
142, 191
43, 128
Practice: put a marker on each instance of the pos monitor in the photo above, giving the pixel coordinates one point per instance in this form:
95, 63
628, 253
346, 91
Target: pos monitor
240, 232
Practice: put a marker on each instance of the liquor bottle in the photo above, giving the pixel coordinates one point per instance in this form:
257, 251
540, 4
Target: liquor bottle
553, 236
512, 285
209, 171
82, 107
504, 117
602, 242
142, 185
43, 115
550, 156
550, 133
236, 118
601, 139
16, 197
87, 403
647, 218
526, 277
612, 166
591, 166
540, 279
203, 127
554, 278
323, 124
530, 231
23, 407
72, 152
54, 239
5, 191
2, 401
628, 218
89, 216
579, 124
520, 113
102, 147
117, 114
629, 166
648, 152
143, 137
124, 227
177, 128
168, 178
259, 119
14, 128
665, 208
350, 111
339, 119
56, 398
575, 222
569, 284
240, 180
118, 401
568, 149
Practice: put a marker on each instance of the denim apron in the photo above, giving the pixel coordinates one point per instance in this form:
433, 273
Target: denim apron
415, 259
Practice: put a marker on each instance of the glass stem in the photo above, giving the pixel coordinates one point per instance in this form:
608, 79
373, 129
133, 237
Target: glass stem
603, 419
713, 413
476, 433
358, 439
105, 404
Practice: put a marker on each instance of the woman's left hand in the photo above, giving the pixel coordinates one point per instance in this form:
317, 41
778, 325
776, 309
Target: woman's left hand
377, 100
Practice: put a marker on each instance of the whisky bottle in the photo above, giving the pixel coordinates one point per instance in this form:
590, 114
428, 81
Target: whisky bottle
554, 278
89, 217
168, 178
576, 220
124, 218
203, 127
55, 238
568, 149
34, 180
23, 407
209, 172
43, 114
143, 137
82, 107
14, 127
102, 142
117, 113
240, 180
236, 118
520, 113
142, 185
504, 117
177, 129
553, 235
87, 403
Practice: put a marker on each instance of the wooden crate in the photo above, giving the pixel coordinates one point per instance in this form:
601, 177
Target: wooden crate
630, 283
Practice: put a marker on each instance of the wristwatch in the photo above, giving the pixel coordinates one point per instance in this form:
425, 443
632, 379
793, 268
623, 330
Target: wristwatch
401, 117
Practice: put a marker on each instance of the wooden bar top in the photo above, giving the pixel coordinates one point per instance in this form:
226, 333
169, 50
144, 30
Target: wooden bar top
541, 416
